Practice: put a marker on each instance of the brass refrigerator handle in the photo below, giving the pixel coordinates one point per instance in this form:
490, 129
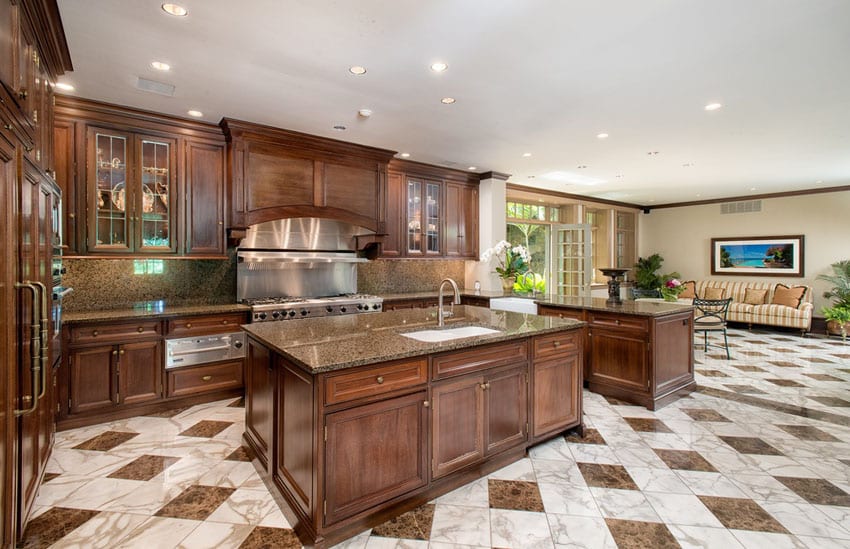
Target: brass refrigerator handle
35, 348
45, 341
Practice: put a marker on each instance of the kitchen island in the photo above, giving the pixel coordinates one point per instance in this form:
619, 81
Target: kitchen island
353, 422
638, 351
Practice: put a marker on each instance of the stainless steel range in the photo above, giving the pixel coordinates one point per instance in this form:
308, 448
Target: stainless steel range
301, 268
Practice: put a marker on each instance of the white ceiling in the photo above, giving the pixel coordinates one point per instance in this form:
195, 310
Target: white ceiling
539, 76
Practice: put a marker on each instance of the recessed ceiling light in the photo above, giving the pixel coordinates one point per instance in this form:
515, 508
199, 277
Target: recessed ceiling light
472, 168
65, 87
365, 113
439, 66
175, 9
447, 100
196, 114
404, 155
339, 127
818, 182
160, 66
581, 166
713, 106
526, 155
752, 188
532, 176
357, 69
602, 136
698, 195
652, 153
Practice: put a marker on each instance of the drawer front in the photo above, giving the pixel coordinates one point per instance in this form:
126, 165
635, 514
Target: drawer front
201, 379
549, 346
375, 381
621, 322
209, 324
107, 332
560, 312
479, 358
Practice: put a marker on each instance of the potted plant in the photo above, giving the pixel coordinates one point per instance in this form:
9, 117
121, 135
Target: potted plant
647, 279
512, 261
838, 316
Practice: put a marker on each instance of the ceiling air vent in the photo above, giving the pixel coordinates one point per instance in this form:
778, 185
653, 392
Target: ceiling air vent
744, 206
155, 87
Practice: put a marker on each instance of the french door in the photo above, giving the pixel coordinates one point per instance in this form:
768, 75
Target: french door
572, 261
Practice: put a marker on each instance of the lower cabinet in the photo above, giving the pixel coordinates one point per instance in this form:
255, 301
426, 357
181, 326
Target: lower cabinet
557, 394
259, 399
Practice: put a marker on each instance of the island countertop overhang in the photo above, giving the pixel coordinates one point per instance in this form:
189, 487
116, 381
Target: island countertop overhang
327, 344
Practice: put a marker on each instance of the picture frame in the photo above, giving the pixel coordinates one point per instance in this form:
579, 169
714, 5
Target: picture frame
758, 256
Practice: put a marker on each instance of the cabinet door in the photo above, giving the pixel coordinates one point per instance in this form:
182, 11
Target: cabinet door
424, 217
373, 453
154, 202
64, 164
204, 199
506, 409
461, 220
140, 372
259, 399
619, 357
457, 424
110, 192
94, 381
392, 244
8, 313
555, 394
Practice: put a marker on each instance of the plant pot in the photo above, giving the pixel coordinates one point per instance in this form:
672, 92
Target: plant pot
508, 284
834, 327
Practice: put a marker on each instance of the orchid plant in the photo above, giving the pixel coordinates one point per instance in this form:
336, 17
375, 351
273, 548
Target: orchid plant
513, 260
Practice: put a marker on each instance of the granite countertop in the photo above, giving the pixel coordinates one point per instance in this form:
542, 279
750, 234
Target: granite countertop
628, 306
152, 309
486, 294
333, 343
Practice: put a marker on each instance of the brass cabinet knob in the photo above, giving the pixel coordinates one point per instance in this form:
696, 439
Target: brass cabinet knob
380, 379
7, 126
225, 322
27, 399
140, 329
94, 333
557, 344
426, 404
72, 215
121, 352
483, 386
114, 353
206, 378
188, 324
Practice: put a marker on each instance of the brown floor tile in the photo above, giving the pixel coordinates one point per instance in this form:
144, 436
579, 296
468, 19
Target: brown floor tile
817, 490
686, 460
105, 441
634, 534
742, 514
845, 462
805, 432
240, 403
168, 413
415, 524
785, 382
782, 339
264, 537
713, 373
755, 342
784, 364
206, 429
144, 468
613, 401
808, 346
751, 445
517, 495
748, 368
746, 389
816, 360
53, 525
833, 402
647, 425
790, 409
49, 476
607, 476
195, 502
705, 414
591, 436
243, 453
823, 377
751, 353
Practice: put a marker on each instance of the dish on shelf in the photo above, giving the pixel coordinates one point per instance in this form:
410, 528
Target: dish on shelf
148, 199
118, 196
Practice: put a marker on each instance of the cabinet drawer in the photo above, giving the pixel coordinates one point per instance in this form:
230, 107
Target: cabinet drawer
103, 332
479, 358
619, 321
200, 379
209, 324
374, 381
560, 312
548, 346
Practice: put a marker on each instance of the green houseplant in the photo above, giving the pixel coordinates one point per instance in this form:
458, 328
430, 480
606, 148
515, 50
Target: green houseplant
647, 279
838, 316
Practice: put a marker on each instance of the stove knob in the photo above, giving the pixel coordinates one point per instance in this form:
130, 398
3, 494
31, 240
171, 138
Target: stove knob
329, 309
342, 309
376, 306
292, 313
275, 314
262, 316
303, 312
359, 306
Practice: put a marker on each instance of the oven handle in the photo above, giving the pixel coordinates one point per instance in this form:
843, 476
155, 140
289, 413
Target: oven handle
63, 293
202, 350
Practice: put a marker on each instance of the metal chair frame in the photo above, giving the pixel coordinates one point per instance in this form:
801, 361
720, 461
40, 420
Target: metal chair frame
712, 309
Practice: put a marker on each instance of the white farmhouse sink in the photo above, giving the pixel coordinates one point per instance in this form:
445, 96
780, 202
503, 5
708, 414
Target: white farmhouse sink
436, 336
514, 304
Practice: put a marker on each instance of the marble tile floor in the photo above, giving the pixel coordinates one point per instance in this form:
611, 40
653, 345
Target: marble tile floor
742, 462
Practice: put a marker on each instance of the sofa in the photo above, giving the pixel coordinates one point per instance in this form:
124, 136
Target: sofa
747, 309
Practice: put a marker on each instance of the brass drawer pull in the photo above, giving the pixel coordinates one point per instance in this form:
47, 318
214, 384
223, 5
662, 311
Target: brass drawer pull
188, 324
115, 353
206, 378
95, 333
225, 322
140, 329
426, 404
557, 344
121, 352
380, 379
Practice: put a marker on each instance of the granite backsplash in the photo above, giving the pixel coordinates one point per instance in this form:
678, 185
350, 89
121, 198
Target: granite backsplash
117, 283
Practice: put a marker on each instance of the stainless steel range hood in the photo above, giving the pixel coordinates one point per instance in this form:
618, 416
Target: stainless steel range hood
304, 234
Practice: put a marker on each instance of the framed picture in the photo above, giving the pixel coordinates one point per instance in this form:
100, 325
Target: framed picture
758, 256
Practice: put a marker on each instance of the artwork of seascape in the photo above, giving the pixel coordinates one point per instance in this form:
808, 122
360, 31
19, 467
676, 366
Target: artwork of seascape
757, 256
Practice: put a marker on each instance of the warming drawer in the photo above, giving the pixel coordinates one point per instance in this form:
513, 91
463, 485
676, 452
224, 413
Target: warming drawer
189, 351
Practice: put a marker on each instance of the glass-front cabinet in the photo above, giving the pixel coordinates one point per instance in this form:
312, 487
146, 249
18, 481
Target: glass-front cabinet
131, 193
424, 216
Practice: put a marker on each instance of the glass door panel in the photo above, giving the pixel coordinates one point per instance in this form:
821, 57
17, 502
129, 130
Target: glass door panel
432, 218
571, 252
414, 216
111, 193
156, 192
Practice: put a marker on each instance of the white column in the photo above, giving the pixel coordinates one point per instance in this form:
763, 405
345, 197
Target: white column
491, 229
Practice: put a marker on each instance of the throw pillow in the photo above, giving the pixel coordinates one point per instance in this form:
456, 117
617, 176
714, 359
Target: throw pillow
754, 297
690, 290
714, 293
790, 297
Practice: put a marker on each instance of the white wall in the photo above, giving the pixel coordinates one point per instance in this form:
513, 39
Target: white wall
683, 235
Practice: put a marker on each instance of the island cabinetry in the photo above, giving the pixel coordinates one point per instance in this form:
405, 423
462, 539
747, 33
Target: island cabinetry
556, 380
259, 400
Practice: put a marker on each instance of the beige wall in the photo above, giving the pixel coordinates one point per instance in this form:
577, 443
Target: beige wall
683, 235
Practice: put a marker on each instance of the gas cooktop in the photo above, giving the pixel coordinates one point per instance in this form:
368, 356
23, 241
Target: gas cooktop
266, 309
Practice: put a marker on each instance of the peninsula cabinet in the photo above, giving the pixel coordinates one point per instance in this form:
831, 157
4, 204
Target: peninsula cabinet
139, 183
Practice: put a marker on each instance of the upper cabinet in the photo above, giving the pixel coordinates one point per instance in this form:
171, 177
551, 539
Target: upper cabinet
137, 183
430, 212
276, 174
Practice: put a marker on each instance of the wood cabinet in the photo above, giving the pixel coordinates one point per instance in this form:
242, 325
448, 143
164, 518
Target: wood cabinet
259, 400
647, 360
556, 381
430, 212
139, 183
276, 174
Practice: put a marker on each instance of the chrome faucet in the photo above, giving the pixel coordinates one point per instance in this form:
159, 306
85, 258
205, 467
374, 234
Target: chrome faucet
456, 301
533, 275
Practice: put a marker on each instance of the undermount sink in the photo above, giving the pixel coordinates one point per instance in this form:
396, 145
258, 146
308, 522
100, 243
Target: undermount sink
514, 305
436, 336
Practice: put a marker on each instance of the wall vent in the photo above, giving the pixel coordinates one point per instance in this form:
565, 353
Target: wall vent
155, 87
744, 206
